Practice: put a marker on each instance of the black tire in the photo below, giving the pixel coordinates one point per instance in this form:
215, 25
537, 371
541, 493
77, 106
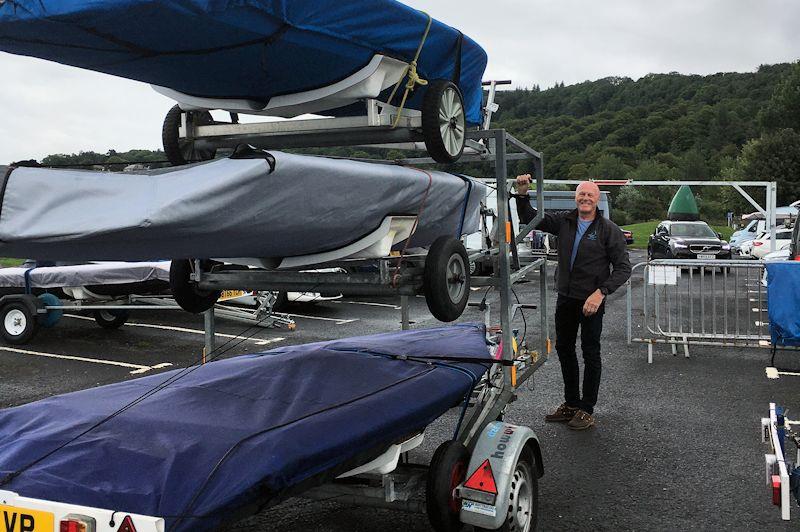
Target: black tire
447, 470
446, 278
19, 324
185, 292
526, 482
182, 151
110, 319
443, 106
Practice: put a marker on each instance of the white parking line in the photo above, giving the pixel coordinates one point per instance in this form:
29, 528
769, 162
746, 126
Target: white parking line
337, 321
773, 373
137, 368
395, 307
257, 341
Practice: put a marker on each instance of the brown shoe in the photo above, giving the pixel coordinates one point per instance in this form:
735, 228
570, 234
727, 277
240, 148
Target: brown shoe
582, 420
562, 413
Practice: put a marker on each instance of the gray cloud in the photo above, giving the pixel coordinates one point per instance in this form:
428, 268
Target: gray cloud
47, 108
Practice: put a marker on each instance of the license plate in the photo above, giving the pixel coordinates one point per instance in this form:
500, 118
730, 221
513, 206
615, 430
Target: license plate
24, 520
478, 508
706, 256
232, 294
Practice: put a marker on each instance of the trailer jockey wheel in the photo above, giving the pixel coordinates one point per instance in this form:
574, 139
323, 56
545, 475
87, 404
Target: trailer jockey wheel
185, 291
446, 278
180, 151
110, 319
443, 121
523, 497
19, 323
447, 470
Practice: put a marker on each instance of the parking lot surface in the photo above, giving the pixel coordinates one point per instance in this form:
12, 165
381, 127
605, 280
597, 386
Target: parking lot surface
676, 446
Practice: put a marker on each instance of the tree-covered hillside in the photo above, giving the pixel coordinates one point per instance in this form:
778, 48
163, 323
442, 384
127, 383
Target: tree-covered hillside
666, 126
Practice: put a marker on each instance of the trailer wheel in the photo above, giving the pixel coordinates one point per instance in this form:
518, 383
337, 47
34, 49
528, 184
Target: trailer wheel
110, 319
443, 121
523, 498
180, 151
447, 470
19, 323
446, 278
54, 315
185, 291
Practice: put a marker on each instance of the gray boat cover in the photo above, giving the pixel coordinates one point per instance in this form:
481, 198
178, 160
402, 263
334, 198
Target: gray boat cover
253, 204
102, 273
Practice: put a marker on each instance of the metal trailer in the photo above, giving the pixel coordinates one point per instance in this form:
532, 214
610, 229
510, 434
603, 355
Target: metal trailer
780, 471
472, 478
23, 315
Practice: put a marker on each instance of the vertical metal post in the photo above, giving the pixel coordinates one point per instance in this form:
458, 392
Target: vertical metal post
405, 323
772, 201
538, 173
208, 325
504, 266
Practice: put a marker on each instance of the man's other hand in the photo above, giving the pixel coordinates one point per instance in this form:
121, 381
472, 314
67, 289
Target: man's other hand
523, 183
593, 303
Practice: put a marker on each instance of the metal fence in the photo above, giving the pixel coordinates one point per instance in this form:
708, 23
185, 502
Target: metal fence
683, 302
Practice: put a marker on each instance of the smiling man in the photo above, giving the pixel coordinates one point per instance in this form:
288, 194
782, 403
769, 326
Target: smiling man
592, 263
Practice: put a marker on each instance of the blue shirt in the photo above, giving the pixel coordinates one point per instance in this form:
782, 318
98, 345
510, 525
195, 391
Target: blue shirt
583, 225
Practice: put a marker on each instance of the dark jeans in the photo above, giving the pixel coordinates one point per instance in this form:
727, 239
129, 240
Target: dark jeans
569, 316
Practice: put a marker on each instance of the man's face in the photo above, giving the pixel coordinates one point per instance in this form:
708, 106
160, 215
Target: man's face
586, 197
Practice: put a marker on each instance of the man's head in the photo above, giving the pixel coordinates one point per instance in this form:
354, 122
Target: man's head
586, 197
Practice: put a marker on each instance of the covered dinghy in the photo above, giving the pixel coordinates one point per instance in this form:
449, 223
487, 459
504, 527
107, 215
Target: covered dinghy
253, 50
254, 204
251, 429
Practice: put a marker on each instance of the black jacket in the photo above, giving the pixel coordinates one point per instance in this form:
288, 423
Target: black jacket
602, 246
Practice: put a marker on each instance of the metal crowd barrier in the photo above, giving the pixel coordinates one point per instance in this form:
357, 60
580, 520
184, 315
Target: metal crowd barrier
699, 302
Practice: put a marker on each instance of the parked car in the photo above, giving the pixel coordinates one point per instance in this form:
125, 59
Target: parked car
686, 240
628, 236
747, 233
761, 245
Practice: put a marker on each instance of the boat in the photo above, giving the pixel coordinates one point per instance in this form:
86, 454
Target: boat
248, 54
282, 210
199, 447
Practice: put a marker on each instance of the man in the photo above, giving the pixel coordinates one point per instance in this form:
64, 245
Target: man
592, 263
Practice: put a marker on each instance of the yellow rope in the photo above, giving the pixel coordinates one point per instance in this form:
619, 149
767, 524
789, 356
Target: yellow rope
413, 77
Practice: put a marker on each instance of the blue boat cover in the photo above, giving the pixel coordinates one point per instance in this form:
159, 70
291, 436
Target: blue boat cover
250, 49
783, 302
237, 431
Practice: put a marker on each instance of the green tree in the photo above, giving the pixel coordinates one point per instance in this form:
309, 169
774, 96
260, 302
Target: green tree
783, 109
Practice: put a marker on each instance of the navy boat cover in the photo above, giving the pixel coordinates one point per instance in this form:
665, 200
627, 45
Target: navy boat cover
252, 49
239, 431
783, 302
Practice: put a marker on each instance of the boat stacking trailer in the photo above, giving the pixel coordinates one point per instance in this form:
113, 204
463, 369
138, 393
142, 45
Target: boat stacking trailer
473, 478
487, 475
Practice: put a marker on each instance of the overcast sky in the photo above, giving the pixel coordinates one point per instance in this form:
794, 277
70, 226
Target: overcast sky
48, 108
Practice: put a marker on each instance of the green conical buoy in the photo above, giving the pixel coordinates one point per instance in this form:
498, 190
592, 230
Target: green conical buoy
683, 206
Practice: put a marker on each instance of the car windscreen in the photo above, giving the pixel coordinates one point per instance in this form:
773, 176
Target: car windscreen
692, 231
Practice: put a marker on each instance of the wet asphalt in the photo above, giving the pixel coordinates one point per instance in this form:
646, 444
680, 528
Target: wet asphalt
676, 445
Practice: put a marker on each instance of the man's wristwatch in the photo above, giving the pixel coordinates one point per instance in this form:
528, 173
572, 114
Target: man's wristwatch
604, 290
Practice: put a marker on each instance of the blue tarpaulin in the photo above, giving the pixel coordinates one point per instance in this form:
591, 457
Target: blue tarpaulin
783, 302
237, 431
249, 49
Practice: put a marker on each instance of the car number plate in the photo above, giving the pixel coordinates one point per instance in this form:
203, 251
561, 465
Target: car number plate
233, 294
478, 508
706, 256
25, 520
